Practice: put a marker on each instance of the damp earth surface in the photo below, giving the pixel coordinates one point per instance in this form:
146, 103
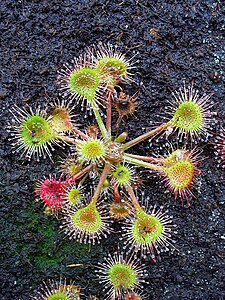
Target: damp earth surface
173, 41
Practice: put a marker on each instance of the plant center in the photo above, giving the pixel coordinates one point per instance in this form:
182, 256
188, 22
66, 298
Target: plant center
114, 152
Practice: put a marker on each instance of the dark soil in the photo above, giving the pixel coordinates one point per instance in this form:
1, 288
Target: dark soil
174, 41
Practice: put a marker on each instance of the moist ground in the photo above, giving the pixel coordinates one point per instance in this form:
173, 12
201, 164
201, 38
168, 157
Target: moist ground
173, 42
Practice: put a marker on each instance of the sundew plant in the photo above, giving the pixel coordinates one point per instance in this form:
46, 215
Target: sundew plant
99, 182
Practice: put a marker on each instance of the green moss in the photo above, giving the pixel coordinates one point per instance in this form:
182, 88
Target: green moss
30, 216
49, 231
43, 262
81, 250
38, 243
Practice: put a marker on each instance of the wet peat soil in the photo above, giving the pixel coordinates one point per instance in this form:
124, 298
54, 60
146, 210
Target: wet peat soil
173, 41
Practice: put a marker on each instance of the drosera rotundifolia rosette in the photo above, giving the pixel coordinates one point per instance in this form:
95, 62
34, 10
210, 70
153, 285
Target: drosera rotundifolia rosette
53, 290
99, 182
120, 275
